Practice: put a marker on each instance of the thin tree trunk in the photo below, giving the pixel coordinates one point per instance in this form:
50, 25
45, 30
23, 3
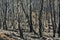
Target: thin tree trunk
31, 27
5, 14
40, 23
59, 23
20, 30
0, 23
13, 15
54, 28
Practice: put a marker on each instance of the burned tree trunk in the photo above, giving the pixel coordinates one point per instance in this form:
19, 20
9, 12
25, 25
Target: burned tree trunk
5, 14
31, 27
54, 27
20, 30
59, 21
52, 13
40, 23
0, 23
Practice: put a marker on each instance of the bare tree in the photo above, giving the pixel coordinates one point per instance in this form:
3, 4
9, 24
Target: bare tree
59, 22
19, 20
20, 30
5, 14
0, 23
31, 27
54, 15
40, 15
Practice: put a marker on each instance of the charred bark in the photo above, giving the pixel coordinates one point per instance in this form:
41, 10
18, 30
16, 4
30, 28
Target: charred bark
40, 23
31, 27
19, 27
20, 30
59, 22
5, 14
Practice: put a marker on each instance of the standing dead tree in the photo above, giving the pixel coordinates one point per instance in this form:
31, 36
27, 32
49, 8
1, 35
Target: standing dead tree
40, 15
31, 27
20, 30
59, 21
54, 15
5, 14
19, 20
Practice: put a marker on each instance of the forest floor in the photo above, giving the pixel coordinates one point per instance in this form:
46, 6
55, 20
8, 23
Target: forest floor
11, 35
